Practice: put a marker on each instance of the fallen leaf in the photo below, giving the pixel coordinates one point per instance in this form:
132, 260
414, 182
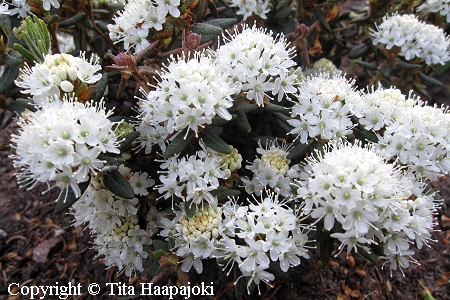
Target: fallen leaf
341, 297
18, 216
388, 287
43, 249
49, 221
351, 261
360, 271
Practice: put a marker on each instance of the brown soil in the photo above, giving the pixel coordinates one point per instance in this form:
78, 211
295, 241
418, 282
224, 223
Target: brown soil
27, 219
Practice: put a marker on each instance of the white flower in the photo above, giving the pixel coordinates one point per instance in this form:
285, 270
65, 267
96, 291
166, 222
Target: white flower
140, 182
441, 6
21, 8
322, 107
414, 38
247, 8
259, 62
49, 145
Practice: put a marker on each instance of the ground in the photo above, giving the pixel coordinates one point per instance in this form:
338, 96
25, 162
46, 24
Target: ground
43, 249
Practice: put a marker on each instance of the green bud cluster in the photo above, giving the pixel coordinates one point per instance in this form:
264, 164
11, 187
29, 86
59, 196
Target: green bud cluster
123, 129
230, 162
324, 65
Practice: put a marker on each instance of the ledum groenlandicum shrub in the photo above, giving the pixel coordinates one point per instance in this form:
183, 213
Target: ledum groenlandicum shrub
206, 138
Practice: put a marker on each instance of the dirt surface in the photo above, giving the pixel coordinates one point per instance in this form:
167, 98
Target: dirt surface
43, 249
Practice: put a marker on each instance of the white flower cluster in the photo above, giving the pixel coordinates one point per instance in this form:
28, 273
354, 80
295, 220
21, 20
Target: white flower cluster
114, 222
57, 75
22, 9
434, 6
373, 201
61, 142
132, 25
248, 8
409, 130
230, 162
189, 95
321, 108
195, 237
192, 178
261, 233
414, 38
259, 62
272, 170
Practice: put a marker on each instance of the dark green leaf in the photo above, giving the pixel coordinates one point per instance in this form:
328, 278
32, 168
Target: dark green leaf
102, 26
283, 14
28, 104
228, 193
219, 190
242, 122
214, 142
368, 255
275, 269
7, 122
100, 88
72, 20
386, 71
12, 58
246, 107
441, 69
158, 254
299, 150
179, 143
357, 51
240, 283
207, 29
161, 245
223, 23
217, 120
8, 77
128, 140
407, 66
326, 248
365, 135
275, 108
282, 4
63, 203
111, 161
117, 184
430, 81
366, 65
190, 208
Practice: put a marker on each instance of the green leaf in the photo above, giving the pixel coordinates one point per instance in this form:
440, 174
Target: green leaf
326, 248
161, 245
217, 120
8, 77
223, 23
366, 65
12, 58
370, 256
128, 140
28, 104
214, 142
190, 208
282, 4
62, 205
430, 81
206, 29
117, 184
365, 135
299, 150
283, 14
275, 269
100, 88
275, 108
72, 20
240, 283
179, 143
110, 160
407, 66
441, 69
228, 193
24, 52
219, 190
158, 254
242, 122
102, 26
246, 107
357, 51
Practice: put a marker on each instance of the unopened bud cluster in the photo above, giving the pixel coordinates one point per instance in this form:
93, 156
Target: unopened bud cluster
323, 65
231, 162
205, 222
58, 74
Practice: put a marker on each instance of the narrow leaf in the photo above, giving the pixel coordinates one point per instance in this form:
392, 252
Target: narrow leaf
214, 142
8, 77
204, 28
299, 150
62, 205
283, 14
160, 245
357, 51
227, 194
117, 184
223, 23
24, 52
128, 140
12, 58
179, 143
430, 81
242, 122
28, 104
275, 108
73, 20
370, 256
366, 65
326, 248
100, 88
190, 208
